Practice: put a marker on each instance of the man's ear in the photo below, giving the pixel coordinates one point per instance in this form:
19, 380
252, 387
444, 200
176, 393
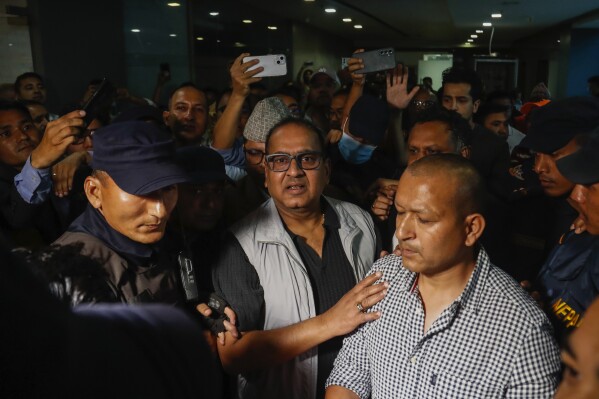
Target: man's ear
165, 115
475, 106
465, 152
93, 191
475, 225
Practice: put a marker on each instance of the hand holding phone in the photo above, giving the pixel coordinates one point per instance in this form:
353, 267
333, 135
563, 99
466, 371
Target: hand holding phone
243, 74
273, 64
58, 136
376, 60
354, 66
98, 102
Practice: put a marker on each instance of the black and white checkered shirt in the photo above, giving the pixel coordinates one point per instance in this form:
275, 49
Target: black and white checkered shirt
491, 342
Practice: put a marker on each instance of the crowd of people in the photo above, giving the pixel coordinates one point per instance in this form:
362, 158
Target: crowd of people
343, 236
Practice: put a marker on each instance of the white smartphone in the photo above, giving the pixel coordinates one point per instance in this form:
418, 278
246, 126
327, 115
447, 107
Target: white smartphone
273, 64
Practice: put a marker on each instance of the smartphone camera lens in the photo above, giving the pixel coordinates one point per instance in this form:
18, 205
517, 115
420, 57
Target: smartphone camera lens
278, 62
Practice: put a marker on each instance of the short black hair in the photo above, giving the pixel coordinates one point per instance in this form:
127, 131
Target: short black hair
461, 133
594, 79
458, 74
470, 195
288, 90
290, 120
24, 76
182, 86
499, 94
487, 109
14, 105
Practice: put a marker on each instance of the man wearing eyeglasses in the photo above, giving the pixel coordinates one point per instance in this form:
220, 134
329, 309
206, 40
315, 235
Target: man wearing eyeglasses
289, 270
249, 191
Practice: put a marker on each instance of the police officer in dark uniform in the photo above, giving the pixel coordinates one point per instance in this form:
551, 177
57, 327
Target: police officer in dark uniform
131, 193
570, 277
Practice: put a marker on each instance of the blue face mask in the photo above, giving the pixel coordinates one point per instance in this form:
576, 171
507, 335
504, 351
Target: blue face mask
353, 151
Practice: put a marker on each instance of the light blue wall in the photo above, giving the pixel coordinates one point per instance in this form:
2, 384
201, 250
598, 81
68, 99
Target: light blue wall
583, 60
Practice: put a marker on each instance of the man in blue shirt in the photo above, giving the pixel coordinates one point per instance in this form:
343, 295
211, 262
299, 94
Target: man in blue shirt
25, 182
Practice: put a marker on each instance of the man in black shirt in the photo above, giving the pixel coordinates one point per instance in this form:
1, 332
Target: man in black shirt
461, 92
285, 268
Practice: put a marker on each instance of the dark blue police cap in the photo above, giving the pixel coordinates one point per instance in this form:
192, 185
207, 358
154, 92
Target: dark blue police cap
138, 156
368, 119
582, 167
202, 164
555, 124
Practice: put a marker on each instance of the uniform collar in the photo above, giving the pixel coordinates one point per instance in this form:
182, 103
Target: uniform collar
93, 223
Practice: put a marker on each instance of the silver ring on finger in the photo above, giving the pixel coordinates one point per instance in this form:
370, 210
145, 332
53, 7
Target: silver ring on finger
360, 307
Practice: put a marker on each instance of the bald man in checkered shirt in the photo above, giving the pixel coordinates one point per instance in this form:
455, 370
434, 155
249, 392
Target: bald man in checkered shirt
452, 325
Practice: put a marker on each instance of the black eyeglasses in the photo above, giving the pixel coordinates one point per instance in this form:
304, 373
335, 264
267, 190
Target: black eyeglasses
305, 161
84, 133
253, 157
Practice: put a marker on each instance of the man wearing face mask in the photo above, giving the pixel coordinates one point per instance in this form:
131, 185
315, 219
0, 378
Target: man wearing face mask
357, 159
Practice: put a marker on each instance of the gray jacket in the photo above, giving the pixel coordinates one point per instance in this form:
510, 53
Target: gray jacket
288, 294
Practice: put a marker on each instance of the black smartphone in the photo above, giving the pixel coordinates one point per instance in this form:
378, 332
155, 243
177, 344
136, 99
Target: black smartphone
377, 60
98, 102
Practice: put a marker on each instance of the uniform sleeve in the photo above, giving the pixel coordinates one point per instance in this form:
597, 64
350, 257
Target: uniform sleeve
352, 368
537, 367
236, 280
